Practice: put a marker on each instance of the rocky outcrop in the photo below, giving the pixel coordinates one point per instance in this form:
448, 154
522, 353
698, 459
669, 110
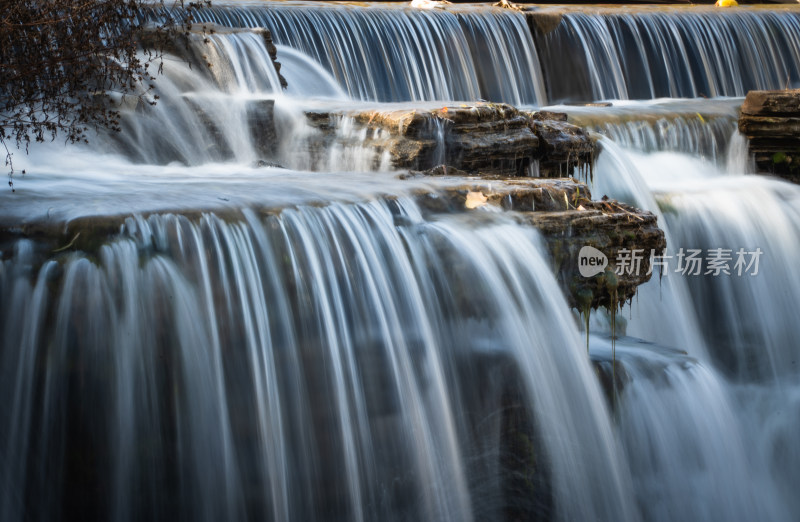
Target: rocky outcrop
479, 138
273, 54
771, 122
627, 236
563, 147
562, 210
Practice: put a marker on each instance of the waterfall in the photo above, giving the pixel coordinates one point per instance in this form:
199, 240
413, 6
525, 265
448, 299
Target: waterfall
314, 364
665, 126
740, 329
262, 321
702, 207
205, 110
393, 53
688, 470
672, 53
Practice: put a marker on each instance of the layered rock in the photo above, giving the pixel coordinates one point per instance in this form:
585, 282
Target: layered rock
479, 138
771, 122
562, 210
563, 146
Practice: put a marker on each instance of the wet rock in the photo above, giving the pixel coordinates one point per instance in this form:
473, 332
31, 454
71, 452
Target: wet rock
771, 122
775, 103
562, 146
562, 211
486, 138
517, 194
261, 123
273, 54
483, 138
627, 236
544, 22
612, 375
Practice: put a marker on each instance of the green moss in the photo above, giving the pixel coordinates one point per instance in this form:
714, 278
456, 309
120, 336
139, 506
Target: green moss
778, 157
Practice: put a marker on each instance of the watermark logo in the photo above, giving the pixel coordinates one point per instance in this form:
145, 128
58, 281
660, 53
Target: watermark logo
591, 261
687, 262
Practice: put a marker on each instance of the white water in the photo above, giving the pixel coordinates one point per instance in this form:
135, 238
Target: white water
394, 53
737, 401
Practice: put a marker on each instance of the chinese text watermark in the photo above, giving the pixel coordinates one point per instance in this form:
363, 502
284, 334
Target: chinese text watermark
689, 262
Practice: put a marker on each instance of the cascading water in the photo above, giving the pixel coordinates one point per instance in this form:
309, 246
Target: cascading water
700, 128
676, 53
687, 470
740, 324
255, 368
402, 54
206, 110
249, 342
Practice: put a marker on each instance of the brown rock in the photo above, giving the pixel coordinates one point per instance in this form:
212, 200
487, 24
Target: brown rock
610, 227
764, 103
562, 211
771, 122
483, 138
563, 146
544, 22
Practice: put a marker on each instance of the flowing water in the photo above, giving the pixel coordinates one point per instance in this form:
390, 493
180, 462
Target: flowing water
743, 374
275, 327
400, 54
672, 53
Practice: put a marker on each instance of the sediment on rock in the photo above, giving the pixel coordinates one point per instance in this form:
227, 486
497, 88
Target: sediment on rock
771, 122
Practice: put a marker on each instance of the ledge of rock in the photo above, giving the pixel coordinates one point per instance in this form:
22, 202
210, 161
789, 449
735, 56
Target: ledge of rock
562, 210
771, 122
481, 138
